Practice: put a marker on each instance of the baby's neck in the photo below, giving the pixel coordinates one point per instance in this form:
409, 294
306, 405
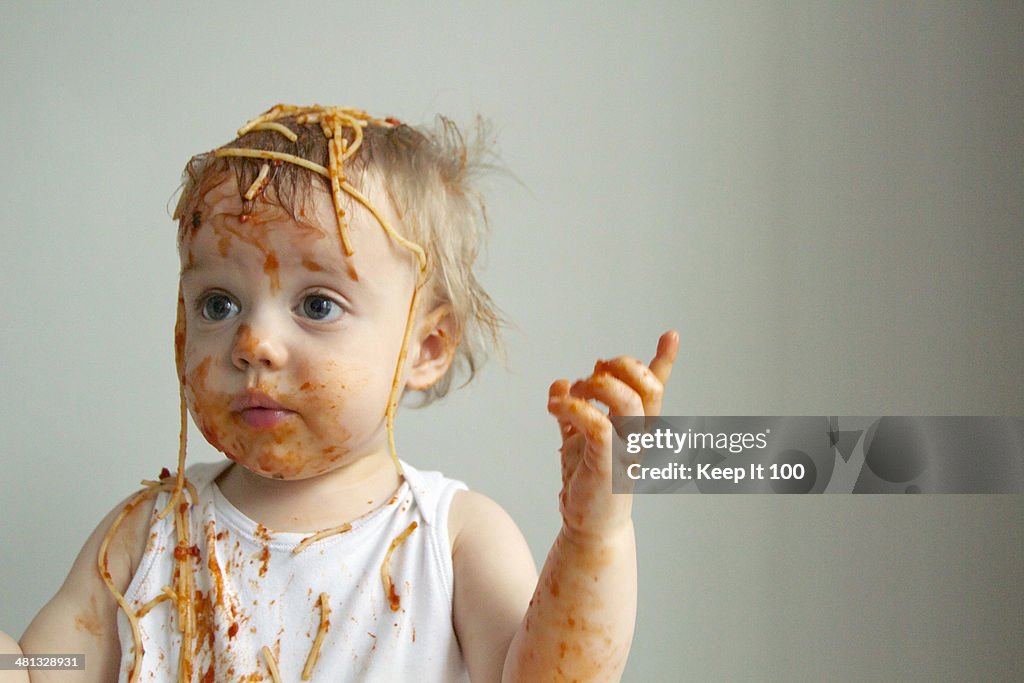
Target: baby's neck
307, 505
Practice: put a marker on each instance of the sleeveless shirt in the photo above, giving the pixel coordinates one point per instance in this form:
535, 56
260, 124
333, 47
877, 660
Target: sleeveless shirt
253, 591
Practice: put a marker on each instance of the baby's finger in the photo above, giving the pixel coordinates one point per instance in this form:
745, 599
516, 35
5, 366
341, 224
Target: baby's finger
557, 393
585, 418
668, 347
639, 378
559, 389
620, 397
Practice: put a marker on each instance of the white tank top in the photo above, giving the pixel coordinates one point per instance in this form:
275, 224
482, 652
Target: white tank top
253, 591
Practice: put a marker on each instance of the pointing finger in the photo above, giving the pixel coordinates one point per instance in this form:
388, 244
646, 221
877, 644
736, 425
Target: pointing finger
668, 347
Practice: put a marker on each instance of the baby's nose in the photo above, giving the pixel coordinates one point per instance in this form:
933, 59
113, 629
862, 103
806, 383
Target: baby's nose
253, 350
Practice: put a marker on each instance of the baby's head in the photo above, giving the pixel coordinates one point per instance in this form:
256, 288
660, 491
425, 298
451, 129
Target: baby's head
342, 222
426, 177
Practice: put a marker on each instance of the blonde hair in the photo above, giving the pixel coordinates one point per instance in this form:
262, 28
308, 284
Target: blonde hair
430, 178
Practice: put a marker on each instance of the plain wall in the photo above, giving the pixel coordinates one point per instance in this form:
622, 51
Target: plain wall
826, 200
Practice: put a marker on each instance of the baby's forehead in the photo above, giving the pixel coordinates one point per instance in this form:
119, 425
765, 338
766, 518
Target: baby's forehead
223, 196
224, 222
225, 199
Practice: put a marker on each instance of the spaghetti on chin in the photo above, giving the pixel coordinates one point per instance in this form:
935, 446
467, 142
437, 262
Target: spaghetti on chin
343, 133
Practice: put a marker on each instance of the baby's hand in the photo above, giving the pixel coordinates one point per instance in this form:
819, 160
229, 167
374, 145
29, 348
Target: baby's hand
627, 387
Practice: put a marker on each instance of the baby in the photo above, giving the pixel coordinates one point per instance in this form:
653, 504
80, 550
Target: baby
326, 269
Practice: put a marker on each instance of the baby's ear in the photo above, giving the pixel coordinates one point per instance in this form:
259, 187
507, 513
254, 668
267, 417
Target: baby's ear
437, 337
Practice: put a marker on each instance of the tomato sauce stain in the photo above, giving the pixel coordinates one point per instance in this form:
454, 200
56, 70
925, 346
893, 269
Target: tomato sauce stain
89, 621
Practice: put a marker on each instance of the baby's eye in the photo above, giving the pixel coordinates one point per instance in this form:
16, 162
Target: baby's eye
218, 307
320, 308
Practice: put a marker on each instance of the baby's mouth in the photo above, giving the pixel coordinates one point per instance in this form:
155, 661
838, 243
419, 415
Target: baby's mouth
263, 418
260, 411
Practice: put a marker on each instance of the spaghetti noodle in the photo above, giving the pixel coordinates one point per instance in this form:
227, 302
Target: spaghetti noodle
258, 185
283, 130
168, 594
320, 535
152, 488
275, 675
314, 652
394, 600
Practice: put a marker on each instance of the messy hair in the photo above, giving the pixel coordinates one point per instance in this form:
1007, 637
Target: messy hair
430, 178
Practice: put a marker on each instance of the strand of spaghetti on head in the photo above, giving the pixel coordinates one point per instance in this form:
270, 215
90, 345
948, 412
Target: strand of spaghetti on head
336, 150
283, 130
258, 185
333, 122
270, 154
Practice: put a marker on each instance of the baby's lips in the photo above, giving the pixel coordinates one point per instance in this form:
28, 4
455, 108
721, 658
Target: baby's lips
255, 399
263, 419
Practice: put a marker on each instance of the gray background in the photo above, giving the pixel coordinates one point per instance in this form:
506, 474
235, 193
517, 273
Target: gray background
825, 199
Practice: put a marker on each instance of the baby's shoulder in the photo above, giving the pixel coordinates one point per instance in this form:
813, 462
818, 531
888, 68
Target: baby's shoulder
478, 524
121, 539
82, 616
123, 536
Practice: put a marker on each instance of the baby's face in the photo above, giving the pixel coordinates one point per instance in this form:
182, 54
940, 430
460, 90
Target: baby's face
291, 346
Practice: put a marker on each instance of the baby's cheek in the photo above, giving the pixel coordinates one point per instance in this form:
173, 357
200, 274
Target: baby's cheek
337, 392
196, 394
322, 405
344, 405
209, 409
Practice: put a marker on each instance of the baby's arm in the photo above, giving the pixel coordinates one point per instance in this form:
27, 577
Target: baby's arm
494, 578
579, 624
9, 646
82, 617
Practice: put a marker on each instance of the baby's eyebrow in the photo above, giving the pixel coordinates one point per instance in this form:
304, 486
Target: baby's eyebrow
194, 269
330, 269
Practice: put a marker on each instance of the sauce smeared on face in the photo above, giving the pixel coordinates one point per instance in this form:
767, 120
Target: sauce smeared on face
276, 254
252, 229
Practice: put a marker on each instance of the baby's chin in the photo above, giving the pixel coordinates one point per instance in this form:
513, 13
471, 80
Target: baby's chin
287, 466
